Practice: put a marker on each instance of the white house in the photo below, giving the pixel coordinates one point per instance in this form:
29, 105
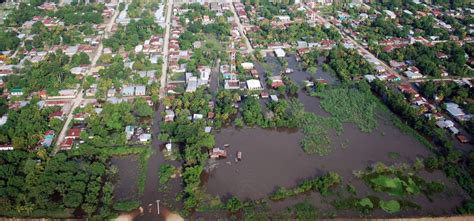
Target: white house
413, 75
280, 53
247, 65
204, 72
254, 84
144, 138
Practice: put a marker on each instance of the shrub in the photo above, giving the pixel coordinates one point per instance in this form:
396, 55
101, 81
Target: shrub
233, 205
126, 206
391, 206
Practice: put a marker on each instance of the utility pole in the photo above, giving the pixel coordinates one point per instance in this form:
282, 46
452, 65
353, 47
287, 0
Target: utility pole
158, 206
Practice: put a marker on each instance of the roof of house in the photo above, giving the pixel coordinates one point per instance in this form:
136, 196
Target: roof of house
74, 132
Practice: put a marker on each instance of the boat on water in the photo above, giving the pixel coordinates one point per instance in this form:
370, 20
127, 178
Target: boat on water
239, 155
226, 145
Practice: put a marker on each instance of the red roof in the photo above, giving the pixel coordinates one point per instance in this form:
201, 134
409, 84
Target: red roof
276, 84
67, 143
73, 133
407, 89
56, 114
210, 115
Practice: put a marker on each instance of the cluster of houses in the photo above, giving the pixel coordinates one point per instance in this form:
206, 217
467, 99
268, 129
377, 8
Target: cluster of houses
391, 43
430, 111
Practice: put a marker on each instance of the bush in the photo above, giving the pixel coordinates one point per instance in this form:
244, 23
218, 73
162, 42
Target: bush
305, 211
166, 171
323, 184
126, 206
233, 205
391, 206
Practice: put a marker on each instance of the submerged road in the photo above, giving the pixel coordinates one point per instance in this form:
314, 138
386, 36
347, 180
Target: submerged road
153, 198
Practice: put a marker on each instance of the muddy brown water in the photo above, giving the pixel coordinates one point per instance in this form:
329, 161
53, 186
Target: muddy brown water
273, 158
126, 187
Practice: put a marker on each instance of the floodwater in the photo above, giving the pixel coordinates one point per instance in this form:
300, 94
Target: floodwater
126, 187
273, 158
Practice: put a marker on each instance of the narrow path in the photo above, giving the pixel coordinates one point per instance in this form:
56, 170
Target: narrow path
164, 68
250, 50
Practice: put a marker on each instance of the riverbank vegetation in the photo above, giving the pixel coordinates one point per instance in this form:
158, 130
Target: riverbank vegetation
321, 184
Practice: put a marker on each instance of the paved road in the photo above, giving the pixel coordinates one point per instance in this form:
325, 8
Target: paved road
164, 68
441, 79
80, 96
241, 30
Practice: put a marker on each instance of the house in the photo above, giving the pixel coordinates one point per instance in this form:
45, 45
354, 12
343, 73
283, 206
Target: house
6, 147
169, 115
454, 110
390, 14
111, 92
283, 18
380, 69
16, 92
67, 144
197, 116
274, 98
192, 84
128, 91
279, 53
444, 123
79, 117
208, 129
78, 70
144, 138
211, 115
204, 72
129, 131
369, 77
247, 65
217, 153
408, 90
441, 55
276, 81
254, 84
397, 65
56, 115
66, 93
73, 133
413, 75
3, 120
453, 130
48, 138
231, 84
254, 73
140, 90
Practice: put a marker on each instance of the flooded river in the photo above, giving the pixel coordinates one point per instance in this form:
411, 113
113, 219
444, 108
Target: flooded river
273, 158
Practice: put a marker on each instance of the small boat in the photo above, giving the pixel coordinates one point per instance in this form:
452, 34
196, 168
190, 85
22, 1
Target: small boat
239, 155
226, 145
